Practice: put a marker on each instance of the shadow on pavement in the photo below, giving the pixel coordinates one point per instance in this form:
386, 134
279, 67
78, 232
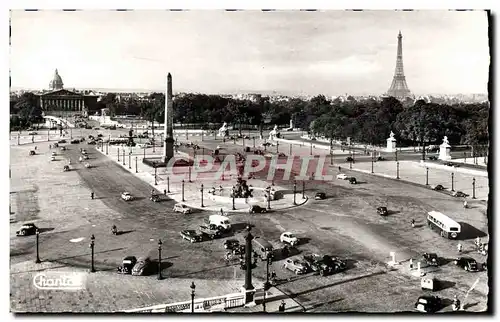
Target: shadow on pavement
202, 271
469, 231
315, 306
42, 230
87, 254
124, 232
443, 285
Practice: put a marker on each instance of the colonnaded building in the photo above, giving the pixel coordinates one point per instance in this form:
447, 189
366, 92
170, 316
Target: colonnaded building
62, 101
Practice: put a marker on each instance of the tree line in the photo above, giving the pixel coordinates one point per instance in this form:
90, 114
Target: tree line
369, 121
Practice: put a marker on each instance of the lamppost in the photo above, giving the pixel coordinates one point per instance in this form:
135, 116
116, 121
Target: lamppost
311, 149
107, 144
303, 190
159, 259
38, 261
144, 153
452, 186
253, 142
202, 196
156, 182
294, 192
92, 241
426, 176
269, 200
290, 152
168, 184
129, 162
135, 164
473, 188
183, 190
123, 156
118, 154
189, 172
248, 273
350, 163
331, 156
397, 169
396, 155
277, 147
372, 162
19, 136
465, 157
267, 285
234, 191
243, 142
193, 287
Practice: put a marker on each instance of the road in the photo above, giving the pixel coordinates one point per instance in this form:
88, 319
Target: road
345, 224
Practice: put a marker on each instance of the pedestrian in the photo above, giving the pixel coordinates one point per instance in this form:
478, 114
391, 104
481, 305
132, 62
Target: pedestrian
35, 147
340, 169
459, 247
92, 195
282, 306
413, 223
221, 212
152, 192
273, 275
165, 192
411, 264
478, 241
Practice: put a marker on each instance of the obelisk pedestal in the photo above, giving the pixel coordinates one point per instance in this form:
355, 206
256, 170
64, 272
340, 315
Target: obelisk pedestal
168, 148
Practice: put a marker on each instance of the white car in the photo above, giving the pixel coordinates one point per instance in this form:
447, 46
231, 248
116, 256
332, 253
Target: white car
127, 196
53, 158
54, 154
182, 208
342, 176
289, 238
87, 165
84, 151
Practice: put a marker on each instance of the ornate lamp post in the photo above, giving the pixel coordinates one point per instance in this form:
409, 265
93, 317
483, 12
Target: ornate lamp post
396, 155
290, 152
159, 259
397, 169
372, 162
426, 176
268, 194
92, 242
193, 287
107, 145
135, 164
452, 181
473, 188
189, 172
123, 156
311, 149
234, 191
303, 190
202, 196
267, 285
144, 153
294, 192
19, 137
277, 147
156, 182
248, 263
252, 139
118, 154
129, 162
38, 261
168, 184
331, 156
183, 190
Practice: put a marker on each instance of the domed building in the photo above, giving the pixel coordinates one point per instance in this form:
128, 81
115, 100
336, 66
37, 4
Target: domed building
61, 101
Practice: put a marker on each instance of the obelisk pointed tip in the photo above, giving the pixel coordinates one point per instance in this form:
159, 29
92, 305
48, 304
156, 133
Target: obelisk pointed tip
169, 75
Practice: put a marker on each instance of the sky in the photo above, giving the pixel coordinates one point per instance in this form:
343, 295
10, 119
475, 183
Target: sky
331, 52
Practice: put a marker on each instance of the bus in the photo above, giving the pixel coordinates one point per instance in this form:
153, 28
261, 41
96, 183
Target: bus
447, 227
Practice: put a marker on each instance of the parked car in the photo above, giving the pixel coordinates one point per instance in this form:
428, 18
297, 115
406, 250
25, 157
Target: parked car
342, 176
467, 263
84, 151
437, 187
353, 180
54, 153
349, 159
325, 264
431, 259
191, 236
433, 157
380, 158
451, 164
127, 196
52, 158
382, 211
32, 133
75, 141
256, 209
27, 229
428, 304
99, 135
66, 168
63, 148
182, 208
142, 267
155, 198
128, 264
289, 238
32, 152
61, 141
211, 231
460, 194
231, 244
87, 165
295, 265
91, 142
320, 196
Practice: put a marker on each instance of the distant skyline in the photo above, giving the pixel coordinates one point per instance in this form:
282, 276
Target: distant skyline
288, 52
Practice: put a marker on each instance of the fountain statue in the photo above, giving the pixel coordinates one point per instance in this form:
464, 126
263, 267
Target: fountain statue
241, 189
224, 131
274, 133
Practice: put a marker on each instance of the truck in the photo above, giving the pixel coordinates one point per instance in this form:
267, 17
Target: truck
210, 230
220, 221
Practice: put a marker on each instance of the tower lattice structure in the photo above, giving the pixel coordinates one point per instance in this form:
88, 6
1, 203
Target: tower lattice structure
399, 88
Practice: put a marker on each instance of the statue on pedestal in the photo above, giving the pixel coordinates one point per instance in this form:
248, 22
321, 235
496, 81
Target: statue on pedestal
391, 143
274, 133
224, 131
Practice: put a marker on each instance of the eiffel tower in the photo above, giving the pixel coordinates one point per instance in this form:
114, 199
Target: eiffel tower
399, 88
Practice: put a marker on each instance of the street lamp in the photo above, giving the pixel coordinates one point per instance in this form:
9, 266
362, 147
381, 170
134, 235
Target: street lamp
156, 182
303, 190
135, 164
473, 188
168, 184
92, 242
129, 162
267, 285
252, 138
426, 176
193, 287
397, 169
372, 162
144, 153
183, 190
248, 273
107, 144
234, 191
396, 155
189, 172
123, 156
202, 196
38, 261
452, 186
290, 153
294, 192
277, 147
118, 154
311, 149
268, 199
159, 259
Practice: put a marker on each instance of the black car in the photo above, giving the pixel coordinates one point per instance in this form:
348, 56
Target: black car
352, 180
428, 304
431, 259
382, 211
191, 235
256, 209
460, 194
320, 196
155, 198
325, 264
437, 187
76, 141
27, 229
128, 264
231, 244
349, 159
433, 157
61, 141
99, 135
467, 263
380, 158
142, 267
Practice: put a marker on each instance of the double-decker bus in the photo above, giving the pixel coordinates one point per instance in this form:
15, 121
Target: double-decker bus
447, 227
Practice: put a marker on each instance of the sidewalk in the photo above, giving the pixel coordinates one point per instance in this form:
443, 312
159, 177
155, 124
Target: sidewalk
192, 190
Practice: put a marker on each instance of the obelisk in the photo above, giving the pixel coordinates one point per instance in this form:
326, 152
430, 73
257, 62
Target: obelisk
168, 147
